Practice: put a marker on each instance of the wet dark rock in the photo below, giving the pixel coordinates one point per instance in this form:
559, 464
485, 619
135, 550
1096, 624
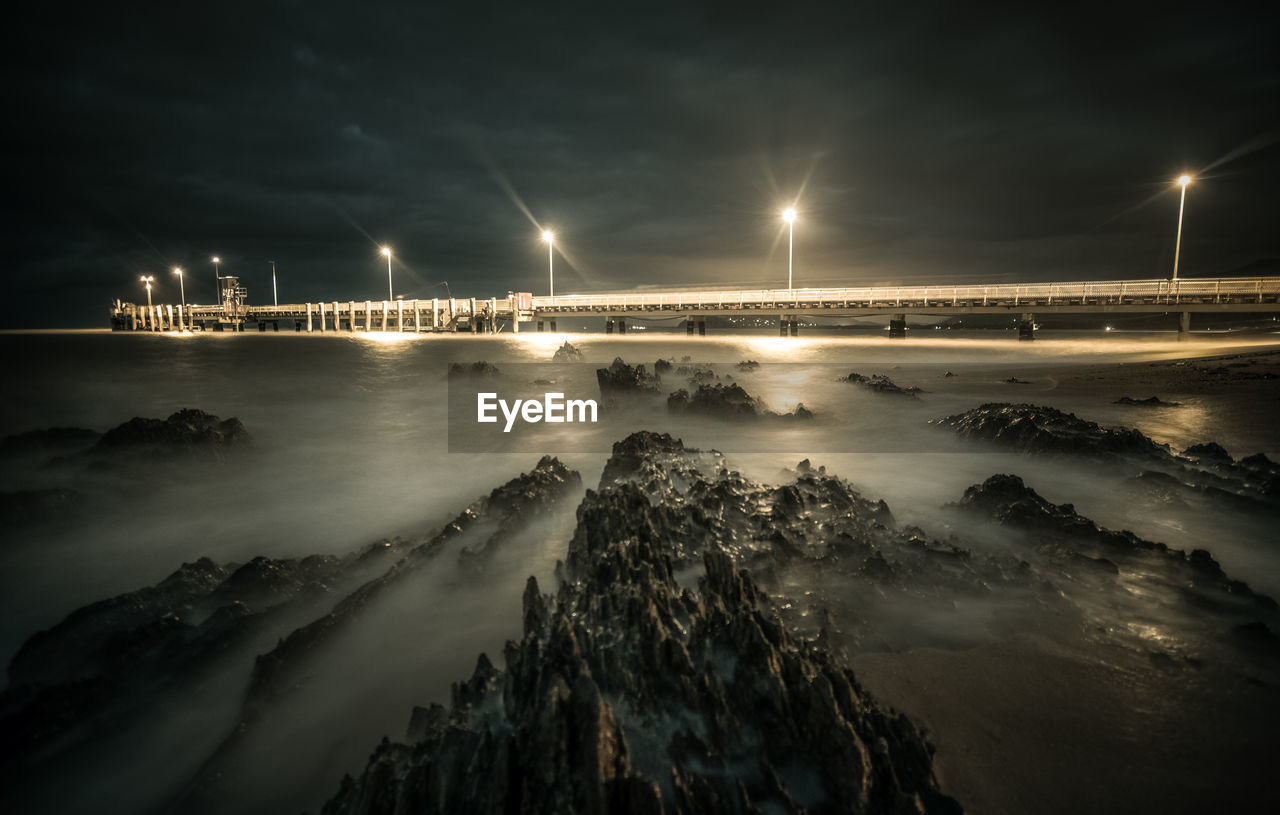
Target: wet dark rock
748, 365
1013, 380
48, 441
567, 353
187, 430
31, 506
881, 384
662, 366
1205, 469
1045, 430
628, 693
1208, 451
1150, 401
1062, 533
502, 513
948, 374
621, 379
726, 402
475, 370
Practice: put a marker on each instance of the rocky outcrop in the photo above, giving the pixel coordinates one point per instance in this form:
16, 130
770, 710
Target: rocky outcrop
631, 694
567, 353
1027, 428
879, 383
1065, 536
621, 379
187, 432
1150, 401
108, 660
475, 370
729, 401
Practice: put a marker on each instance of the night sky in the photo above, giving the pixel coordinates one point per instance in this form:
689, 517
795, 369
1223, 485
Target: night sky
660, 142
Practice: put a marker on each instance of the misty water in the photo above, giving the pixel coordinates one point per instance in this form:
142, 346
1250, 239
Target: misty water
351, 445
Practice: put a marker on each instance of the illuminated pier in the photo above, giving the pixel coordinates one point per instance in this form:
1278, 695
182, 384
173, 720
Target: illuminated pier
1024, 301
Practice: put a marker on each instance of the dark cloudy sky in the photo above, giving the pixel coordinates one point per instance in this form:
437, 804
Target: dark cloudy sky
920, 141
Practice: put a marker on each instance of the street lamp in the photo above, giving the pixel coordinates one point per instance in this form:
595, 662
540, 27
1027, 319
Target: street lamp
1183, 181
550, 238
217, 285
386, 250
275, 297
182, 288
146, 278
789, 215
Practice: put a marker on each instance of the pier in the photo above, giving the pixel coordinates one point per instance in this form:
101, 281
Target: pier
1022, 301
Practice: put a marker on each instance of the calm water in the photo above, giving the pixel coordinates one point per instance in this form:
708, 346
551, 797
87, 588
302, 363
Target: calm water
351, 445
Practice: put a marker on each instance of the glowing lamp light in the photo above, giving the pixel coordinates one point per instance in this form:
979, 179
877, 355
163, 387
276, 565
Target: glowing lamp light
1184, 180
386, 251
788, 215
549, 237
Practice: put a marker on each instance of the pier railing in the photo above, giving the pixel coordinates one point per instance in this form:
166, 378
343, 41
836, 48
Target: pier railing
1081, 293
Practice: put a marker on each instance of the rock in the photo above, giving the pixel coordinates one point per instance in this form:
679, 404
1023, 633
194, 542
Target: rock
1063, 534
621, 379
628, 693
1208, 451
662, 366
726, 402
1013, 380
1150, 401
477, 370
48, 441
748, 365
881, 384
187, 430
1029, 428
948, 374
567, 353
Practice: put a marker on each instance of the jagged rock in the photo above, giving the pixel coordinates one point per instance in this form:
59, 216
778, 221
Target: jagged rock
187, 430
726, 402
1208, 451
506, 509
567, 353
1013, 380
621, 379
48, 441
478, 370
748, 365
662, 366
1034, 429
1064, 533
880, 384
1150, 401
629, 694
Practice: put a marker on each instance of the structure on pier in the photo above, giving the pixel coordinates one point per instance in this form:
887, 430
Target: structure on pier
1023, 301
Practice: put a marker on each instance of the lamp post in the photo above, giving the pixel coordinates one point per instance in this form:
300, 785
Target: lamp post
550, 238
1183, 181
386, 250
146, 279
182, 288
275, 297
217, 278
789, 215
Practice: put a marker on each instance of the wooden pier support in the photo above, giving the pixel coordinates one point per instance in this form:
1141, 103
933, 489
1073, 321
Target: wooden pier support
399, 315
435, 313
322, 318
702, 326
337, 324
1184, 325
309, 318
